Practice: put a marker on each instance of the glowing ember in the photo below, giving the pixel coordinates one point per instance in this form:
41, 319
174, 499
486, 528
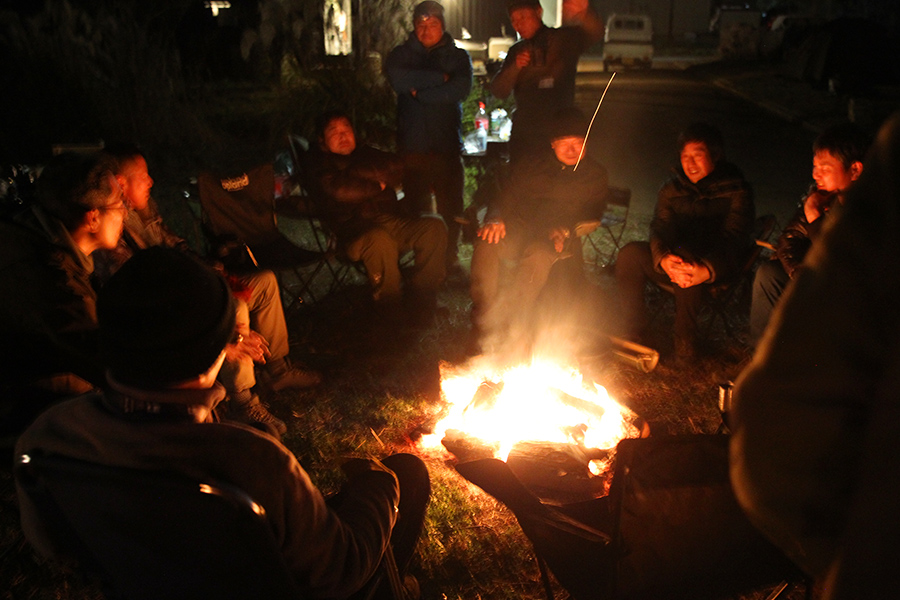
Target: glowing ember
542, 401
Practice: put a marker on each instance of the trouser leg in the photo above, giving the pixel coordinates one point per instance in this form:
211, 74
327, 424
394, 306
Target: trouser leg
487, 264
449, 182
633, 268
444, 176
266, 311
769, 283
427, 237
531, 274
237, 375
379, 252
687, 306
415, 490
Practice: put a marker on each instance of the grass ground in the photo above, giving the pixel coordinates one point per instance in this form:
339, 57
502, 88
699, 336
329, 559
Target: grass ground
381, 390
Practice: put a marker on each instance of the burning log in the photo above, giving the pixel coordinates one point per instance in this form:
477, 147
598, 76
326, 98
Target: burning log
558, 472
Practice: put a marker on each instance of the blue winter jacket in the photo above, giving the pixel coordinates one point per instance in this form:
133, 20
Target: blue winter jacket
429, 121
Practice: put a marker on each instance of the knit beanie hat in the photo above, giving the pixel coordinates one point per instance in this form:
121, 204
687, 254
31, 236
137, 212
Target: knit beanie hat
164, 319
429, 8
568, 122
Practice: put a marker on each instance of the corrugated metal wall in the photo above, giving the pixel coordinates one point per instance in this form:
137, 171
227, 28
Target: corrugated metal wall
483, 18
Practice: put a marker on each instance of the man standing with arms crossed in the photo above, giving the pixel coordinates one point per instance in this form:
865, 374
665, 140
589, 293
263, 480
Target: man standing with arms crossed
431, 77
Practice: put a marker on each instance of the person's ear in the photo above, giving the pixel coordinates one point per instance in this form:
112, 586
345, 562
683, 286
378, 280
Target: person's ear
92, 220
856, 170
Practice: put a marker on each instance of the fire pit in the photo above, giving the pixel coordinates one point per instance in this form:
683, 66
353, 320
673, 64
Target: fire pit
555, 429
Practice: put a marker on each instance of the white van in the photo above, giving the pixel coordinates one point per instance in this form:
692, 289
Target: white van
628, 41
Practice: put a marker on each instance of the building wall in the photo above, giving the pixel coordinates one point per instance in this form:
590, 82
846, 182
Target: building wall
482, 18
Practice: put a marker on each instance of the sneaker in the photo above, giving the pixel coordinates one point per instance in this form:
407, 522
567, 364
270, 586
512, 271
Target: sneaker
256, 414
295, 377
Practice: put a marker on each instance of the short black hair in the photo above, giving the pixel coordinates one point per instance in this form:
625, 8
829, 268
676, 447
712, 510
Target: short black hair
73, 184
122, 153
704, 133
517, 4
327, 117
847, 142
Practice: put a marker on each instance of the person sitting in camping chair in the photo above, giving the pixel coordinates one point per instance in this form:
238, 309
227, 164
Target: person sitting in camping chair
357, 184
261, 323
701, 233
158, 415
533, 223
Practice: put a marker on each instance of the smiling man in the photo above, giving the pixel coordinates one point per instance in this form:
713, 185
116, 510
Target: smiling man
532, 224
431, 76
357, 183
700, 234
837, 162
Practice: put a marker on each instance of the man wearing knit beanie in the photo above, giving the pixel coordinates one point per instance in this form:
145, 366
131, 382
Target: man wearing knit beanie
165, 319
532, 224
431, 76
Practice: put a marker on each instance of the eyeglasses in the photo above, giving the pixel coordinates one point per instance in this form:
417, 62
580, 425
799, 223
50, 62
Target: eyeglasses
114, 207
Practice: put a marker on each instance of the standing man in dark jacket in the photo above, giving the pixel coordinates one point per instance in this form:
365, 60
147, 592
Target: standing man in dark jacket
533, 223
48, 317
701, 233
540, 68
431, 77
837, 162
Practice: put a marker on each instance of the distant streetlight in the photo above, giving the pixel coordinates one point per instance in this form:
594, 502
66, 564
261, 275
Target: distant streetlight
216, 5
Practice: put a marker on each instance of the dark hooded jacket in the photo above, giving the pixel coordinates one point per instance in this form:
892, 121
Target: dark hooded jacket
710, 221
430, 121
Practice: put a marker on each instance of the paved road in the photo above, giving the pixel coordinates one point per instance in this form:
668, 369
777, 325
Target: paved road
637, 125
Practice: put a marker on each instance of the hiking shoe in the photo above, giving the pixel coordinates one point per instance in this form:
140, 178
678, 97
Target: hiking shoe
295, 377
255, 414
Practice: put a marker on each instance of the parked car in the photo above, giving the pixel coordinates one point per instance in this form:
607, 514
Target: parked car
628, 41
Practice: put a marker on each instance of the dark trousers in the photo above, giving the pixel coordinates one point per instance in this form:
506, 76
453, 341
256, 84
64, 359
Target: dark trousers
634, 268
443, 175
769, 283
415, 490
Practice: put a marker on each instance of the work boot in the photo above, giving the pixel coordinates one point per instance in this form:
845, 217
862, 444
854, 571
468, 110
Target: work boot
281, 375
254, 413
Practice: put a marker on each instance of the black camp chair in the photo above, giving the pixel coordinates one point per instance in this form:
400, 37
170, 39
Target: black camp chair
240, 209
669, 528
152, 535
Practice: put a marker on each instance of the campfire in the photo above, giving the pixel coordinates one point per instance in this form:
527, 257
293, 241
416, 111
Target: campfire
542, 413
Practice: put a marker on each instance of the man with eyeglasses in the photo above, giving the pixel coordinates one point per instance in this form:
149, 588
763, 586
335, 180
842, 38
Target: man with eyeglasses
263, 334
48, 317
532, 223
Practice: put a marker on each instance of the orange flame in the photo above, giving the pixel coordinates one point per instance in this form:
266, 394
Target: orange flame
541, 401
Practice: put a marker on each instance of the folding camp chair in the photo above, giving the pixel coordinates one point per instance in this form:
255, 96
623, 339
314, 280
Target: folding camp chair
606, 241
242, 208
343, 270
669, 528
152, 534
